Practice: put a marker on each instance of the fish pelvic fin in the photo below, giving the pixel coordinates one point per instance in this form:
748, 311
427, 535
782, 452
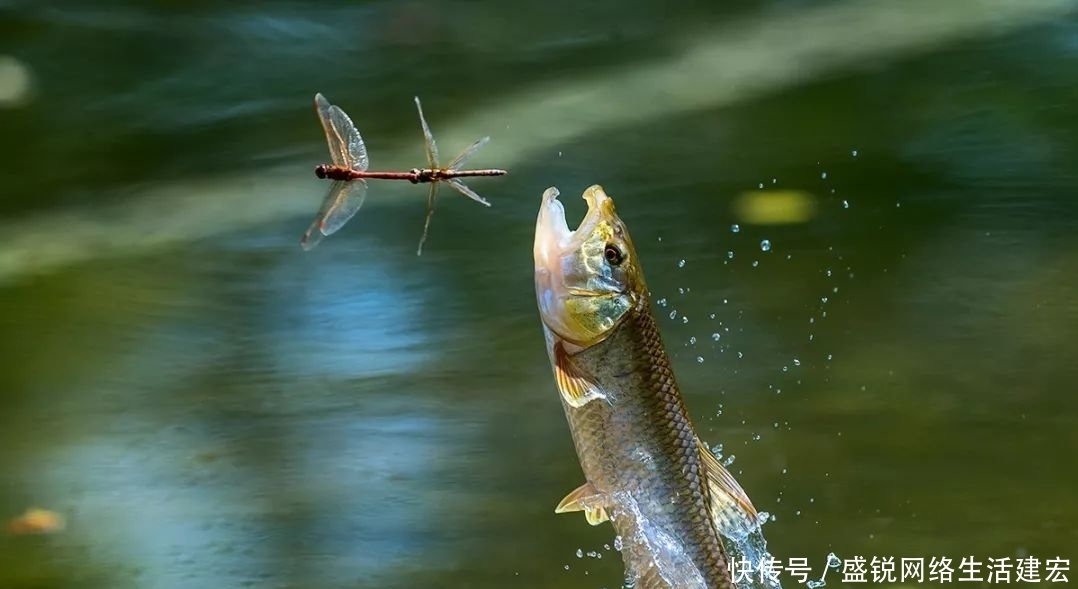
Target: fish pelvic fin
731, 509
584, 498
575, 386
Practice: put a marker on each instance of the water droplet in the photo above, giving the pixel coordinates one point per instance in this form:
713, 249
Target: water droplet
699, 359
823, 300
617, 543
756, 437
673, 314
684, 319
716, 336
828, 272
735, 228
579, 553
760, 185
680, 290
692, 340
845, 204
833, 561
712, 315
755, 263
823, 176
740, 355
854, 153
774, 180
783, 470
765, 245
797, 362
730, 255
729, 460
661, 302
829, 356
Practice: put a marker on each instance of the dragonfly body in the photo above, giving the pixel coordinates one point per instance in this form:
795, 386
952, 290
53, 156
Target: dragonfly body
415, 175
349, 173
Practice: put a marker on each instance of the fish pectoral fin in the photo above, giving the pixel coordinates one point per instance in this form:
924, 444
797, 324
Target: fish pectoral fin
584, 498
731, 509
576, 387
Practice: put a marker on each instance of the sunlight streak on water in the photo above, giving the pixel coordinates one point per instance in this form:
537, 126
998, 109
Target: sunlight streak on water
736, 63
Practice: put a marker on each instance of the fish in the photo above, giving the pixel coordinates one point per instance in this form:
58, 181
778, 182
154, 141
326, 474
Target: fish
646, 471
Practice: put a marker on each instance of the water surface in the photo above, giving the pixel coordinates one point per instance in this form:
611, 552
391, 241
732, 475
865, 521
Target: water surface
207, 405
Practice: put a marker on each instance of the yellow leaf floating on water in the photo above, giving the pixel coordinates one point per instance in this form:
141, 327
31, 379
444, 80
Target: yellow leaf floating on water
35, 521
775, 207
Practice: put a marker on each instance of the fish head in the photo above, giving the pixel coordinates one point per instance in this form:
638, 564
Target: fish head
588, 280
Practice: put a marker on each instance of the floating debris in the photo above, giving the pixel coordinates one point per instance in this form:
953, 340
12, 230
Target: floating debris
35, 521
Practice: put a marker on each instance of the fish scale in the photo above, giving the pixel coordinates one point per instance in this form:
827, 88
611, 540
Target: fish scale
646, 402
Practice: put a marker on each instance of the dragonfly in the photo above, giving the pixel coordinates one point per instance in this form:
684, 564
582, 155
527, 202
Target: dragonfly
349, 173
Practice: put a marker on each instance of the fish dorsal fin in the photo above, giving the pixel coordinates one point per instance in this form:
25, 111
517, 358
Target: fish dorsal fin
584, 498
576, 387
731, 509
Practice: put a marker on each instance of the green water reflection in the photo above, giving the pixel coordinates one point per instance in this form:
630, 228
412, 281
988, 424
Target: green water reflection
207, 405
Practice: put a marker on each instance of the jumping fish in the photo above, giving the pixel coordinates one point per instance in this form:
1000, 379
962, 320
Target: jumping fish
646, 471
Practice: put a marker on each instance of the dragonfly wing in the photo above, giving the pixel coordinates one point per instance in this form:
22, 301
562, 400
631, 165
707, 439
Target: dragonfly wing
341, 204
467, 153
338, 150
461, 188
431, 196
432, 147
311, 237
357, 151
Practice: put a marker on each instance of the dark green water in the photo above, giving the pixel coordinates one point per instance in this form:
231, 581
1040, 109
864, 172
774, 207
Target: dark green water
209, 406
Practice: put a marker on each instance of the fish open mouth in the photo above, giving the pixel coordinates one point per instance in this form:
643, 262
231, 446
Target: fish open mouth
553, 238
555, 260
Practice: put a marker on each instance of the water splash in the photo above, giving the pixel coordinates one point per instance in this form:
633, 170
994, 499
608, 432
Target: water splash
648, 550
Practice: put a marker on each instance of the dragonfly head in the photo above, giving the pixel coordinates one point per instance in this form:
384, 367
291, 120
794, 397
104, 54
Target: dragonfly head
320, 170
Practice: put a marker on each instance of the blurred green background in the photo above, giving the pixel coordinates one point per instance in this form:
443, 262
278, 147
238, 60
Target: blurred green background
208, 406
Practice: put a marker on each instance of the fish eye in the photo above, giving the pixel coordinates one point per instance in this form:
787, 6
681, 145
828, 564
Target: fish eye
613, 255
